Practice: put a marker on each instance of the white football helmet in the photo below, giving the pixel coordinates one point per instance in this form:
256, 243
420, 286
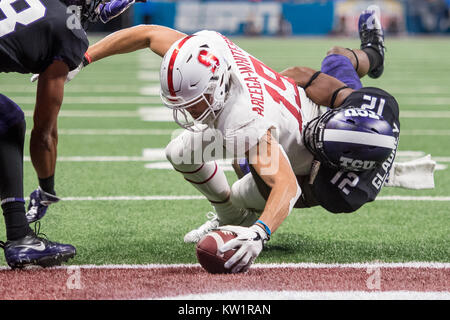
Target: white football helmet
192, 71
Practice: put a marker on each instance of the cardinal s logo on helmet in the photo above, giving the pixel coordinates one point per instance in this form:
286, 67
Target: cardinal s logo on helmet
208, 59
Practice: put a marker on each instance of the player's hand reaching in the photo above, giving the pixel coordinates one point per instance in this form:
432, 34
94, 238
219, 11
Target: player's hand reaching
248, 243
114, 8
39, 202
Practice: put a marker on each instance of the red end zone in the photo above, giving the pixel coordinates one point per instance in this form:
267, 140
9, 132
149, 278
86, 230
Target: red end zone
166, 281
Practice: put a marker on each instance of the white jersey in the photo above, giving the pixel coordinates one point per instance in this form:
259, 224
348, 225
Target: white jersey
261, 99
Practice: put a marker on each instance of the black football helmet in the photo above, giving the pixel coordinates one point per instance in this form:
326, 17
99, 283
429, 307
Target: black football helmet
350, 139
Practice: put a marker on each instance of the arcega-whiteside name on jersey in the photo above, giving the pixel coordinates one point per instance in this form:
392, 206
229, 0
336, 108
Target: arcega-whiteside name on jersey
261, 99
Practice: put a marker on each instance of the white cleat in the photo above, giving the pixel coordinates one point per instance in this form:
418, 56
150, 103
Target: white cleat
195, 235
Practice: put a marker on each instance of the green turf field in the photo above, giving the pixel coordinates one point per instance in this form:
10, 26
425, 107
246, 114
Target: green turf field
101, 118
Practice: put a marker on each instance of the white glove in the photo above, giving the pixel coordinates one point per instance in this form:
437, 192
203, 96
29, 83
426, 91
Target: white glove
249, 244
70, 75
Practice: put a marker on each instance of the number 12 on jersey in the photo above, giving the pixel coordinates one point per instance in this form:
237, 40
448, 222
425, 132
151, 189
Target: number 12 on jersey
351, 180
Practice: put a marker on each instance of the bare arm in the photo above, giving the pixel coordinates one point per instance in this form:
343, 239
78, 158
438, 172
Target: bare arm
44, 136
321, 89
157, 38
272, 165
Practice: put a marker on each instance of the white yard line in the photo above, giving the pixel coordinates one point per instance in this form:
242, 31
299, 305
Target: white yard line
148, 115
114, 132
96, 100
164, 113
189, 197
425, 132
92, 114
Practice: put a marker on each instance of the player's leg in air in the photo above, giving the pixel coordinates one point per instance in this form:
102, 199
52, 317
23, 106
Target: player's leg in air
342, 63
23, 247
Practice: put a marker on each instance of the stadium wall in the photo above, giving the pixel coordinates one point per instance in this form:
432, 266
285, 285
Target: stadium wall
238, 18
275, 18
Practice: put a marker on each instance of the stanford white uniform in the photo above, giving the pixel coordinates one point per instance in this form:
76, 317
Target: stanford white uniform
261, 99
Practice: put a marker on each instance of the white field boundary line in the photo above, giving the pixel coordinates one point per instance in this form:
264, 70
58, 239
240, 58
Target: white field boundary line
188, 197
314, 295
364, 265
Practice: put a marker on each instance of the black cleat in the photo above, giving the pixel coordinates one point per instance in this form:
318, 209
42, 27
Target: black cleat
33, 250
372, 36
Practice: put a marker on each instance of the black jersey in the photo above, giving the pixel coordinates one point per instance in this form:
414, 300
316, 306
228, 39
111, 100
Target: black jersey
34, 33
346, 191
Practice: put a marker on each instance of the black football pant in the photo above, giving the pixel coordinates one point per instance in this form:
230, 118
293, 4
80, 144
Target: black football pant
11, 181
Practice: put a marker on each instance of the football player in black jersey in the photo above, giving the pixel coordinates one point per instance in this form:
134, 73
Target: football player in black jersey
351, 163
44, 37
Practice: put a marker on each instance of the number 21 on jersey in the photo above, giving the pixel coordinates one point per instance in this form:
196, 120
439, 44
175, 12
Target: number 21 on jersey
11, 13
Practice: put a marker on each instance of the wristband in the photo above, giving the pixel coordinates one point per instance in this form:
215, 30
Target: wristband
86, 59
266, 228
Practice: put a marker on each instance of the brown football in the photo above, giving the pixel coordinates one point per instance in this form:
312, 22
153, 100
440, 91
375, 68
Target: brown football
207, 254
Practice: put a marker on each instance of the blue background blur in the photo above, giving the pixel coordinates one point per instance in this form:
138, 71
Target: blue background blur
287, 17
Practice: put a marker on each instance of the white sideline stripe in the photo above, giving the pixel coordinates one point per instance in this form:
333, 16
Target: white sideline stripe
357, 137
314, 295
72, 88
113, 132
163, 112
156, 114
363, 265
92, 114
425, 114
410, 198
148, 75
150, 90
134, 198
425, 132
99, 159
187, 197
165, 164
96, 100
429, 101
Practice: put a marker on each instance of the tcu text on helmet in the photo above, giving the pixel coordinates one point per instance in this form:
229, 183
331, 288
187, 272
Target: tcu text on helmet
352, 112
356, 164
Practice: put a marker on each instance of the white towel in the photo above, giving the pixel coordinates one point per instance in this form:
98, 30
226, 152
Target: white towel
414, 174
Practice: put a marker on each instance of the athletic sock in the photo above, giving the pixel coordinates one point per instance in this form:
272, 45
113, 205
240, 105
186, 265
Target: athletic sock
15, 220
48, 184
375, 59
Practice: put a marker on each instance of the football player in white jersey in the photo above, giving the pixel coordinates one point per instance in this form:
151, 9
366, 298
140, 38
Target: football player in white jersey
234, 105
211, 83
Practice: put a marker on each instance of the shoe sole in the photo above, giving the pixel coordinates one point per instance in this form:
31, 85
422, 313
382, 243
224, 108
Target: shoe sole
45, 262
